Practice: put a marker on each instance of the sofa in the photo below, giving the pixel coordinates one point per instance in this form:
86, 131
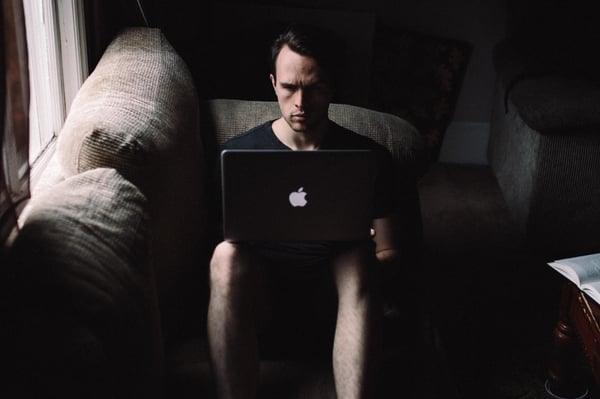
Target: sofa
106, 280
544, 141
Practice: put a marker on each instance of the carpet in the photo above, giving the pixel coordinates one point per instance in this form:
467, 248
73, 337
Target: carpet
496, 301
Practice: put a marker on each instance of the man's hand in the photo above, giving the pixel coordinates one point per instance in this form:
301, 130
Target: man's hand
382, 233
387, 256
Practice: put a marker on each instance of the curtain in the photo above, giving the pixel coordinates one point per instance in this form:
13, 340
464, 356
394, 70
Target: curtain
14, 115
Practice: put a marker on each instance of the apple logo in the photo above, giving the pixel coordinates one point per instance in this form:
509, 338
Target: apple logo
298, 198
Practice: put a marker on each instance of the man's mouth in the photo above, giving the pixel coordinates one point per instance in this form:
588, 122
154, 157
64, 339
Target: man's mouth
299, 117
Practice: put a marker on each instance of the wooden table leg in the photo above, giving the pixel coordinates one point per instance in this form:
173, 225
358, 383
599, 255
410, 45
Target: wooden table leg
566, 375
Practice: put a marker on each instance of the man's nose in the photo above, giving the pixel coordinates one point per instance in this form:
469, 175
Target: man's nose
300, 99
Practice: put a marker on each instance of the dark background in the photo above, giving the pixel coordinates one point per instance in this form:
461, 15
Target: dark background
451, 77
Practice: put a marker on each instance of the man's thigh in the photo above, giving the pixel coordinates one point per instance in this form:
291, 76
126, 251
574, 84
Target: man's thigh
297, 282
298, 311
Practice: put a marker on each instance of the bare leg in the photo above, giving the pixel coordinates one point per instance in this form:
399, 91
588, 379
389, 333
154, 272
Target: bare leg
232, 323
355, 349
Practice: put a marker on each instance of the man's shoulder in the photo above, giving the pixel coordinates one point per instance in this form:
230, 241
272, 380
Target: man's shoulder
343, 138
258, 137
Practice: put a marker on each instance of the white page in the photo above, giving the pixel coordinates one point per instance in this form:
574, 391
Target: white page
586, 267
593, 290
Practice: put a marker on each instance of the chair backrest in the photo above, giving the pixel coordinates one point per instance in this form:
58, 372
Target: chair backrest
231, 117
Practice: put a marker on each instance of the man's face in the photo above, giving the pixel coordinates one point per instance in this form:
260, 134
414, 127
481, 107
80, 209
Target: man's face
302, 94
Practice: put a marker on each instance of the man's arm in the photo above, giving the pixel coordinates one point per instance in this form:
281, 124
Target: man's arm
386, 248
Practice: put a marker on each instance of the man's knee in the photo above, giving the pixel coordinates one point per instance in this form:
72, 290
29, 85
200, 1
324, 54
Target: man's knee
357, 269
360, 257
230, 265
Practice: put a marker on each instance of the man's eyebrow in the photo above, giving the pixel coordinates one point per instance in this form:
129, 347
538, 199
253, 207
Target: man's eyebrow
311, 85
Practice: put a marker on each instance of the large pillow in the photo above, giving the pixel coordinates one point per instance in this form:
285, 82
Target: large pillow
135, 110
79, 291
138, 112
418, 77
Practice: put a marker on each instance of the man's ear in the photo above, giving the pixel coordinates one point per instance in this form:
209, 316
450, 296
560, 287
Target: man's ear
273, 81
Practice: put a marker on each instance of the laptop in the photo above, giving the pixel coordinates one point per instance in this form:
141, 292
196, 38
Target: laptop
279, 195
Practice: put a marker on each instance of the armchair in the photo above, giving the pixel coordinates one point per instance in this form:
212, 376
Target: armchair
104, 290
544, 140
299, 343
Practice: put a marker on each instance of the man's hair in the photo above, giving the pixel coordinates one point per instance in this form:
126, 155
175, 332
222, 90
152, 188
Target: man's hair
311, 41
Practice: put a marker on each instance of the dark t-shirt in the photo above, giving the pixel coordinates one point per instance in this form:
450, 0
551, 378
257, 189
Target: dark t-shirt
337, 138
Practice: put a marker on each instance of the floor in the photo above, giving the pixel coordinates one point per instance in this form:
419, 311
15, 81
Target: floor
495, 301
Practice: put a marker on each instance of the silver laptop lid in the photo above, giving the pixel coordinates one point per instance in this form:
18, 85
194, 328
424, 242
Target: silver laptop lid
297, 195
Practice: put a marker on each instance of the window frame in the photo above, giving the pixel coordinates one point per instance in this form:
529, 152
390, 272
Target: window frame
58, 67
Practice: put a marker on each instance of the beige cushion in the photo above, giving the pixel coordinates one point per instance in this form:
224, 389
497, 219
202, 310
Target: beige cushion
81, 271
402, 139
135, 110
91, 228
138, 112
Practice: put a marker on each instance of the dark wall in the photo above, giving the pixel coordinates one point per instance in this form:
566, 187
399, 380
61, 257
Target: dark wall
188, 27
184, 23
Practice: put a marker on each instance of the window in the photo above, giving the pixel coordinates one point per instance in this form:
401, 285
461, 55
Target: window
14, 117
57, 68
43, 63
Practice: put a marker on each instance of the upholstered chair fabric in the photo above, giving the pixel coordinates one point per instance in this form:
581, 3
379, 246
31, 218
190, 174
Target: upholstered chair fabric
232, 117
138, 112
80, 292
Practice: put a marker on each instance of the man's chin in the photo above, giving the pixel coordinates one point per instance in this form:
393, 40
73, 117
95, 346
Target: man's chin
298, 126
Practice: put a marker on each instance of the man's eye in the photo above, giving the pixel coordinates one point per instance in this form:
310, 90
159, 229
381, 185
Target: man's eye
320, 87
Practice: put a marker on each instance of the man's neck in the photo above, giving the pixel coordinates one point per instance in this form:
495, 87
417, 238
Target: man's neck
306, 140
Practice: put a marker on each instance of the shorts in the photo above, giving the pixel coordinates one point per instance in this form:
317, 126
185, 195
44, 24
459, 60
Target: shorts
297, 282
300, 260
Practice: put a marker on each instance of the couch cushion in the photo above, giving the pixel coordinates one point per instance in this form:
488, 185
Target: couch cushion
135, 111
402, 139
548, 100
555, 104
138, 113
90, 221
81, 289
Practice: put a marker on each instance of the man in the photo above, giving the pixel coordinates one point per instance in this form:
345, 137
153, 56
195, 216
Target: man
302, 78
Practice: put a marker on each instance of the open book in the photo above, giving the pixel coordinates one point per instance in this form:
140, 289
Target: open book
583, 271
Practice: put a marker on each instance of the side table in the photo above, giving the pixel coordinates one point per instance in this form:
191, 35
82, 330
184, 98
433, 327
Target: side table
576, 341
